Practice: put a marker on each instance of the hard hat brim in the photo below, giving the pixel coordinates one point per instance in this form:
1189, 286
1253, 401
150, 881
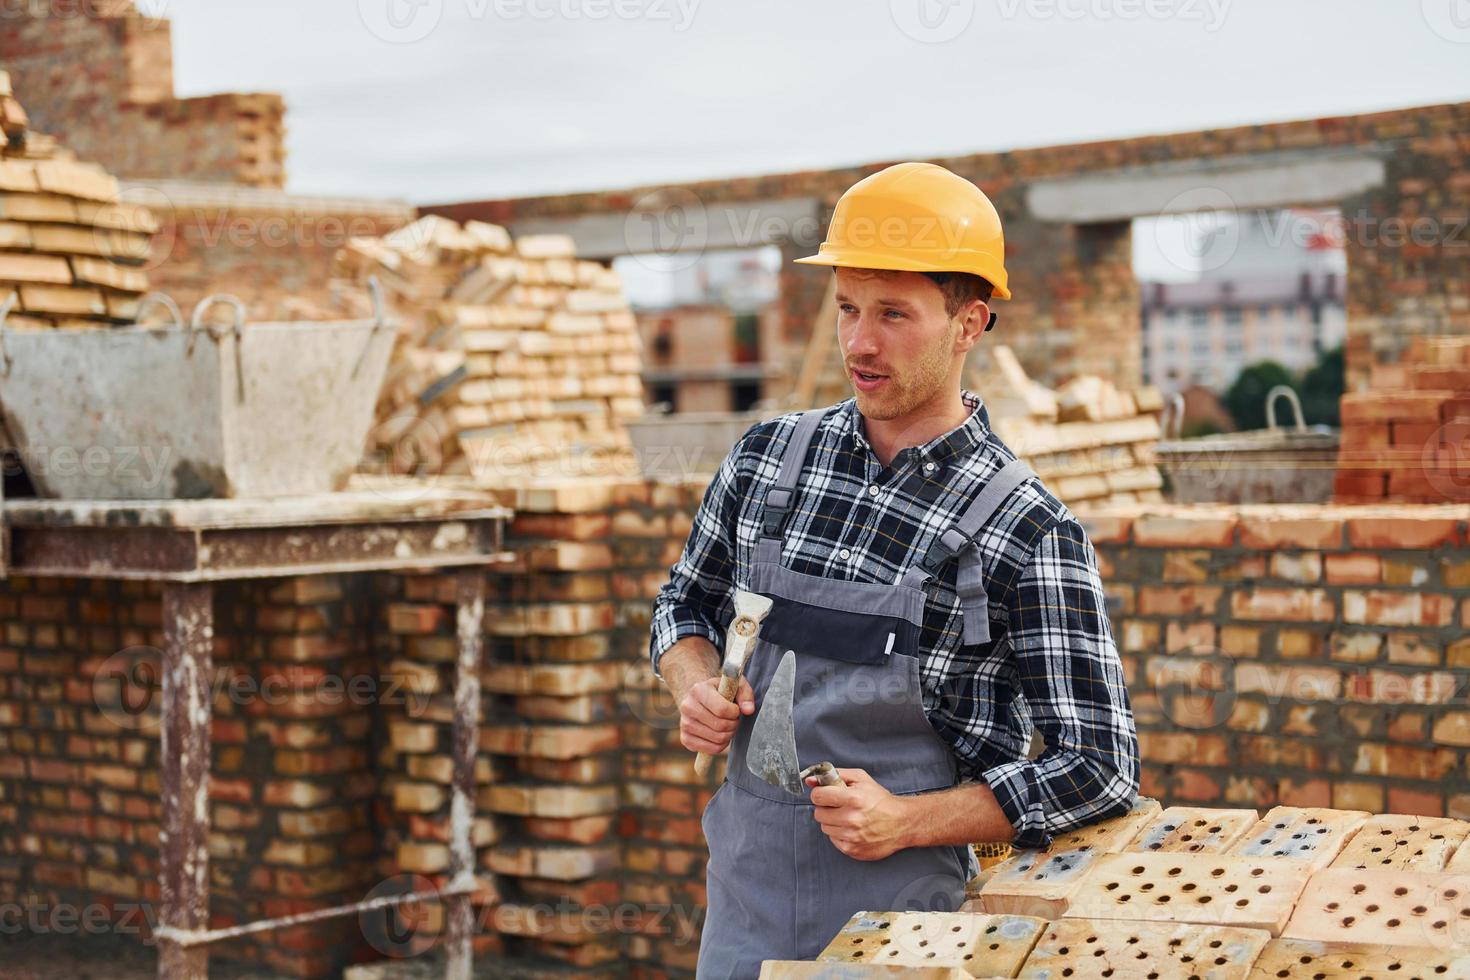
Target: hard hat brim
889, 262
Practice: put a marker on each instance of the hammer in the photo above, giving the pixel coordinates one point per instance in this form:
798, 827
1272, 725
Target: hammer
750, 610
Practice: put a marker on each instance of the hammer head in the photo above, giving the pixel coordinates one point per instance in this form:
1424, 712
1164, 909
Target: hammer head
751, 609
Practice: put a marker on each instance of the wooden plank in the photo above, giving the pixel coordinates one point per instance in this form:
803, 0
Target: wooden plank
99, 272
87, 181
1210, 889
1427, 909
1041, 883
14, 234
1094, 949
981, 945
1311, 834
1303, 959
1395, 840
17, 268
16, 175
1192, 830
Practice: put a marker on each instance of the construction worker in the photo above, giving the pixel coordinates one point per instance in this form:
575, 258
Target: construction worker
941, 601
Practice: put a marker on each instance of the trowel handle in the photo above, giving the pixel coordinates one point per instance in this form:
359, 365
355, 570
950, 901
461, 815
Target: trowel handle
729, 684
824, 772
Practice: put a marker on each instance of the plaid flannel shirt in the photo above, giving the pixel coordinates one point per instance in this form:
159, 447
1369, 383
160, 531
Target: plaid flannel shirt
1052, 660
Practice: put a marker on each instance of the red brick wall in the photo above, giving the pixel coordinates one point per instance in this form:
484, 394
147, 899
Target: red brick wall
104, 86
1313, 656
1076, 306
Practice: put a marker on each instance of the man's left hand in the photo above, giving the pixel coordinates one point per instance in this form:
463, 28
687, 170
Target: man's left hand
861, 818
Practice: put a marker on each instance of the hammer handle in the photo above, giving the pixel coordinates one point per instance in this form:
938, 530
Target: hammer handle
729, 684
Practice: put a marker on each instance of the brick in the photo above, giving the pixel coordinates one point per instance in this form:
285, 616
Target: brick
1402, 761
1294, 532
549, 801
1379, 907
1452, 728
1384, 608
1293, 605
552, 679
1106, 529
1174, 887
549, 741
1292, 683
417, 797
1412, 649
1409, 406
1391, 687
1140, 636
1355, 647
1187, 566
407, 618
1392, 533
1156, 600
1456, 574
1353, 568
1171, 747
976, 944
1195, 637
560, 863
420, 858
413, 737
1295, 644
1240, 641
1161, 531
1297, 567
1352, 795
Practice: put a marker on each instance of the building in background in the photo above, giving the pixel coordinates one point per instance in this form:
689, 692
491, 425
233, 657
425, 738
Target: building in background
711, 327
1265, 285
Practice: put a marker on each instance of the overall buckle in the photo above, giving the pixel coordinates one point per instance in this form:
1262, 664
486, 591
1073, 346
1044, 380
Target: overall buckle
779, 502
948, 544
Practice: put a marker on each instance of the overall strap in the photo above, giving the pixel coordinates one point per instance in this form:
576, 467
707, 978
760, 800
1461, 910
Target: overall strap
780, 499
959, 539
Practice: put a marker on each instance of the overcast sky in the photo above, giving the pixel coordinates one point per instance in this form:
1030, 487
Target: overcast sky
443, 100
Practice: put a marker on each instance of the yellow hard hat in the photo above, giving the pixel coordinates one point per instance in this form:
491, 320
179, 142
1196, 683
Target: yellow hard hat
916, 217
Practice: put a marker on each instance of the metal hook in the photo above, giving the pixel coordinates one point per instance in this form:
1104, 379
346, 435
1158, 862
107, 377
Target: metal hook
1292, 399
380, 319
150, 300
1174, 412
196, 322
5, 308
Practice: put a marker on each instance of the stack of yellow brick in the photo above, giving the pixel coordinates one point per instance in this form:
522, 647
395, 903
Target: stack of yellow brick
1192, 892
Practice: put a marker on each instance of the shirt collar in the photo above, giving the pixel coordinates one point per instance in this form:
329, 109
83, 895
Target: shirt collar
962, 439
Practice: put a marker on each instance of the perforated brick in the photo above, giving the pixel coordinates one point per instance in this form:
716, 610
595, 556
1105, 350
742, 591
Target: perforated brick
1460, 859
1092, 949
1314, 835
803, 970
1192, 830
1041, 882
981, 945
1430, 909
1304, 959
1395, 840
1213, 889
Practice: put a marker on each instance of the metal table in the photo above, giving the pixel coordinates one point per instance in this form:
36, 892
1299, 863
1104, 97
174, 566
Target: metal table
188, 545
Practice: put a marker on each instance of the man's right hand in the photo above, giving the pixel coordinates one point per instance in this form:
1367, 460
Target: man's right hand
707, 722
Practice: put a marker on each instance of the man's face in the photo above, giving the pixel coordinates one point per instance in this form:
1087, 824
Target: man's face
893, 324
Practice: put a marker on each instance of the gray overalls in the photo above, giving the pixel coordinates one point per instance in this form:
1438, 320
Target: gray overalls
777, 886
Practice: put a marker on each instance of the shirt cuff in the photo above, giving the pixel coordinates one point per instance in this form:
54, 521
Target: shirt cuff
1015, 789
667, 634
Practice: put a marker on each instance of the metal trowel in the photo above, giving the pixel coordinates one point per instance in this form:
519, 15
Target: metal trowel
771, 752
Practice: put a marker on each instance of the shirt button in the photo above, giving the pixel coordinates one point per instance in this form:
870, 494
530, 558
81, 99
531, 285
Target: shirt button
929, 467
873, 491
845, 553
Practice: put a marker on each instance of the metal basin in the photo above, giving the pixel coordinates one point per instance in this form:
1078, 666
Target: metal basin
145, 412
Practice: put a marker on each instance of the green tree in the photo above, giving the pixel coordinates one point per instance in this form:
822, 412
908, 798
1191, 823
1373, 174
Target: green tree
1245, 400
1322, 388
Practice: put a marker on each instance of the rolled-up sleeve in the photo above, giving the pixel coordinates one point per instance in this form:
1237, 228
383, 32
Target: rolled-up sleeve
1072, 679
697, 598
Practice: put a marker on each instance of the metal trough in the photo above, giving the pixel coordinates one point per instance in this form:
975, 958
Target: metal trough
1274, 465
148, 412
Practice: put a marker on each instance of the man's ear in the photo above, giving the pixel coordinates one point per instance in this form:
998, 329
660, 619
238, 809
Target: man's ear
974, 319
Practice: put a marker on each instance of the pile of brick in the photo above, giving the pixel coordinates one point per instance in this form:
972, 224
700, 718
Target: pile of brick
1089, 440
514, 359
1188, 891
1406, 438
70, 253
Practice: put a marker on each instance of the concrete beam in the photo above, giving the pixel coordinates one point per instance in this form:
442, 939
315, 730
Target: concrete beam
1238, 183
677, 221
